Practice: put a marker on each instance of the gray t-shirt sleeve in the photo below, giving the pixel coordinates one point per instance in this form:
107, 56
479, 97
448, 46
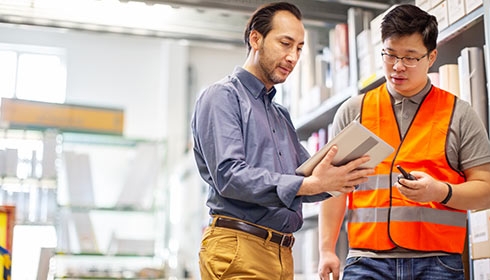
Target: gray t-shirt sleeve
468, 143
349, 110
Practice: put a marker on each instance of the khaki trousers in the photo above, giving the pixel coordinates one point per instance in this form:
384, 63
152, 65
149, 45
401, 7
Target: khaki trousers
232, 254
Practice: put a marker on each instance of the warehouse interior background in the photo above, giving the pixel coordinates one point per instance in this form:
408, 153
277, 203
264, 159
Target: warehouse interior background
149, 59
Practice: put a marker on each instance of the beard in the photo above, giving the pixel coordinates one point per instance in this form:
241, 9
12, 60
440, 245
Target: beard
268, 67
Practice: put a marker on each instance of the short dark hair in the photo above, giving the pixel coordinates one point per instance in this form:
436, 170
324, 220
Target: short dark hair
261, 20
407, 19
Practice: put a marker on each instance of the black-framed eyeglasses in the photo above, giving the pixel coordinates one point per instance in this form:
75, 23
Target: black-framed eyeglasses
407, 61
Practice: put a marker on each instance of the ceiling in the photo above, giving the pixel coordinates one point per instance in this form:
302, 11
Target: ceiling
316, 10
200, 20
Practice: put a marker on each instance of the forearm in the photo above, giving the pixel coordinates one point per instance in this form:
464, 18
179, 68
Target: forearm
330, 221
473, 194
256, 185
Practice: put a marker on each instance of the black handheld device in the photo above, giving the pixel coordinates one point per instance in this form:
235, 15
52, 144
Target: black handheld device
405, 174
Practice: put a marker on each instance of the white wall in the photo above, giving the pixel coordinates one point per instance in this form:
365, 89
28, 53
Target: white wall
127, 72
212, 62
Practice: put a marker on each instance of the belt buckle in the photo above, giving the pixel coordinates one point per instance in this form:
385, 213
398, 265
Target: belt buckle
284, 238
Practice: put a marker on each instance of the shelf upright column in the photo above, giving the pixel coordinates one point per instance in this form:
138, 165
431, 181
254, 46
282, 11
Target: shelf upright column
486, 47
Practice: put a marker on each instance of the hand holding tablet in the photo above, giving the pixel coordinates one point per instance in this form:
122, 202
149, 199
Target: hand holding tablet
354, 141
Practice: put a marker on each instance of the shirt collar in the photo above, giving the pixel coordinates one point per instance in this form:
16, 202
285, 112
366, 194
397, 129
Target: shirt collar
253, 84
417, 98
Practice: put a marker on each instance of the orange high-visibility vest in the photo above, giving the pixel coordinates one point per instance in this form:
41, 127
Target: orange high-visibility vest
380, 218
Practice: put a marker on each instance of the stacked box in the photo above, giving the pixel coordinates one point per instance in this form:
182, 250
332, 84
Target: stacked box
66, 117
441, 13
481, 269
479, 234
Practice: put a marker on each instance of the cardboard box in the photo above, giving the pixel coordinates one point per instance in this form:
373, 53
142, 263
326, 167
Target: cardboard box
456, 10
375, 27
481, 269
471, 5
378, 59
479, 234
32, 114
423, 4
441, 13
434, 3
364, 46
366, 67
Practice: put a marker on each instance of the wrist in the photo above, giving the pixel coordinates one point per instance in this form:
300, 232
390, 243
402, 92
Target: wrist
449, 194
327, 252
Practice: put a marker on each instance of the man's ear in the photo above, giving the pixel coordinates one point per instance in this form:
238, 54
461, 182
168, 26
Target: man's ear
432, 57
255, 39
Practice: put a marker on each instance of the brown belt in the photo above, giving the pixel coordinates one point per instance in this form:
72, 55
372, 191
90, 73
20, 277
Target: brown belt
281, 239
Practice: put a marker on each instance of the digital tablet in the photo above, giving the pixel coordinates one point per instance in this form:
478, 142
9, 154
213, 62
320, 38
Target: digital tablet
354, 141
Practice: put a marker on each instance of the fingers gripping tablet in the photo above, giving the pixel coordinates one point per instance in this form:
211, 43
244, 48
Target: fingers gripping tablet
354, 141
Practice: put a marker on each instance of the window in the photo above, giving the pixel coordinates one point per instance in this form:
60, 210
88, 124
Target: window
32, 73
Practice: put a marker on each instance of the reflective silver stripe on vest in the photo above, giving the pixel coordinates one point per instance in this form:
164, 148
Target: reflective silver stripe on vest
408, 214
402, 214
381, 181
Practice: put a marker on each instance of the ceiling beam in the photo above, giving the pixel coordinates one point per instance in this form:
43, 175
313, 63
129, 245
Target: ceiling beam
326, 11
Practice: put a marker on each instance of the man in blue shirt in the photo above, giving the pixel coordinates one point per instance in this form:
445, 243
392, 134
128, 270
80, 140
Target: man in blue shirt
247, 150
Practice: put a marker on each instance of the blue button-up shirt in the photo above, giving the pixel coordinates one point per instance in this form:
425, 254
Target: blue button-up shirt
247, 150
